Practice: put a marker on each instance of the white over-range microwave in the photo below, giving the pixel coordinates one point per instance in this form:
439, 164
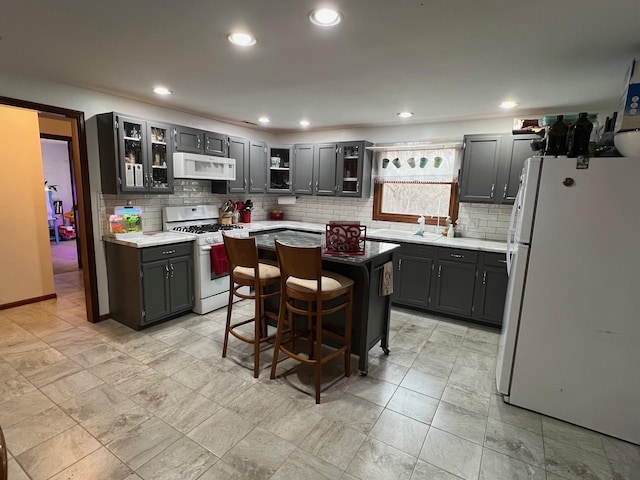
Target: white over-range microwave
203, 167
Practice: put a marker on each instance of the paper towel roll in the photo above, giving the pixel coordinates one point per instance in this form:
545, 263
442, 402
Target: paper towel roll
287, 200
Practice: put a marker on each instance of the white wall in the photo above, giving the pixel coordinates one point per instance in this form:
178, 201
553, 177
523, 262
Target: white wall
57, 171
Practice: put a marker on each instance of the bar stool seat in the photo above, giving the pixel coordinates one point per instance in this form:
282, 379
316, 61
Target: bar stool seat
245, 269
305, 290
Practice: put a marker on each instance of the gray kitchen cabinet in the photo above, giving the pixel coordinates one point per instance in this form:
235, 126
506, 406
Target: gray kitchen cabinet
354, 169
324, 169
150, 284
239, 150
463, 283
303, 169
135, 154
193, 140
454, 281
257, 167
412, 278
517, 148
279, 167
491, 288
491, 167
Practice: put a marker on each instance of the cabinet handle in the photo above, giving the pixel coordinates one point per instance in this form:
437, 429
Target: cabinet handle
317, 182
207, 147
244, 183
493, 187
175, 139
439, 271
484, 278
335, 188
251, 183
168, 252
399, 264
171, 268
166, 271
456, 255
358, 186
504, 191
502, 261
309, 185
199, 143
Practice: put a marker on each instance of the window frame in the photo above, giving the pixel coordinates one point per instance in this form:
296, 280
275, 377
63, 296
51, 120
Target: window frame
378, 214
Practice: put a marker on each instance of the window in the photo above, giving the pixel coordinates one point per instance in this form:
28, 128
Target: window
410, 183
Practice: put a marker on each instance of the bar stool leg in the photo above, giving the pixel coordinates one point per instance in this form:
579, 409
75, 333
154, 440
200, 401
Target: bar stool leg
279, 328
347, 335
226, 329
256, 332
318, 348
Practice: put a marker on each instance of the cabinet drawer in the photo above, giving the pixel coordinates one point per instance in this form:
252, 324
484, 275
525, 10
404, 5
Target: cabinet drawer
160, 252
495, 259
458, 255
418, 250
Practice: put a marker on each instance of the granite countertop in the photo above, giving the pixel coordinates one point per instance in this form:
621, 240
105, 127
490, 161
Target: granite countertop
389, 235
308, 239
150, 239
380, 234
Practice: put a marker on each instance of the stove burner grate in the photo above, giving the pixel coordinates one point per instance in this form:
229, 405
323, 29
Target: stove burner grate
206, 228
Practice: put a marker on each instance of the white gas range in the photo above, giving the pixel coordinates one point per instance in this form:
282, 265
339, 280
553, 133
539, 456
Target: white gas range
211, 290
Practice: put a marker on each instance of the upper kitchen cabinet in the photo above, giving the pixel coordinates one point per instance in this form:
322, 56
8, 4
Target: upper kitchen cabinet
135, 155
354, 169
257, 167
279, 168
239, 150
324, 169
303, 169
192, 140
491, 167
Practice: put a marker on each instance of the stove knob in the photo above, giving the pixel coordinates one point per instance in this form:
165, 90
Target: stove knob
209, 240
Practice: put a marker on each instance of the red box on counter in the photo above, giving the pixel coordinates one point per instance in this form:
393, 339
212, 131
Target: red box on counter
345, 238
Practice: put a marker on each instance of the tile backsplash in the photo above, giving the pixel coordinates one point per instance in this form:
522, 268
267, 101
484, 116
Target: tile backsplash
475, 220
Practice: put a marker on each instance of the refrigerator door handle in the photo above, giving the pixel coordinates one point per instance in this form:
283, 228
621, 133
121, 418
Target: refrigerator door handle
511, 231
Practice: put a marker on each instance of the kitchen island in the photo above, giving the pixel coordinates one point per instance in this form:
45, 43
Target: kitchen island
370, 309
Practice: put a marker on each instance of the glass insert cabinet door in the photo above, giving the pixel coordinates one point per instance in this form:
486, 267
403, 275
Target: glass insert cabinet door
159, 159
134, 149
351, 166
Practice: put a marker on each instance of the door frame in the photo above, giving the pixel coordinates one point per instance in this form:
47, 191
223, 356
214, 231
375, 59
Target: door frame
80, 169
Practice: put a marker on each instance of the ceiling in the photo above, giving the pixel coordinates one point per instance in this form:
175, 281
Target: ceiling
444, 61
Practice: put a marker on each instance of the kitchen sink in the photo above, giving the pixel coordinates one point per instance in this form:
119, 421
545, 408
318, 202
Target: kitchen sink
400, 234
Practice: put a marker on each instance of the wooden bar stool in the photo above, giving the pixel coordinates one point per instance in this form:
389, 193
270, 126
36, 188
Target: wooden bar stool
4, 472
305, 288
245, 269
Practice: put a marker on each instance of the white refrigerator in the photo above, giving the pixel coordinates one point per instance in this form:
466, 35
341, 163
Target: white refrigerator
570, 343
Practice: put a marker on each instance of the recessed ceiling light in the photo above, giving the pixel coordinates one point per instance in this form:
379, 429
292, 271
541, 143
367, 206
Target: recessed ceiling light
508, 105
162, 91
305, 123
405, 114
242, 39
325, 17
264, 119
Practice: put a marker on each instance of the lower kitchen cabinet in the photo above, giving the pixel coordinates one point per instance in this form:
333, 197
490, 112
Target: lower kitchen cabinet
454, 281
459, 282
491, 290
413, 265
150, 284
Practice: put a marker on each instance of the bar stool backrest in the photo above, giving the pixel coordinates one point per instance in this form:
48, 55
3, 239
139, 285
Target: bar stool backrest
242, 252
300, 262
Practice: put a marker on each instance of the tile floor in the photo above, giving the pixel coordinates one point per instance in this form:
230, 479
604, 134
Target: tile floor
101, 401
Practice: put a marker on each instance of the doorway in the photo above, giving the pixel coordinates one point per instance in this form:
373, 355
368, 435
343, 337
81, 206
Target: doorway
58, 173
56, 122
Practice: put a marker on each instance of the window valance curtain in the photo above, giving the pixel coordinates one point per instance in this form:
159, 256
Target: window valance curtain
417, 166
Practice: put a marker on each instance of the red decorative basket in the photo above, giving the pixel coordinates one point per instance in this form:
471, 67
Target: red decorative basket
345, 238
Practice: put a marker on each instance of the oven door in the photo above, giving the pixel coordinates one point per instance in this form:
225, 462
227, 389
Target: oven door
210, 283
